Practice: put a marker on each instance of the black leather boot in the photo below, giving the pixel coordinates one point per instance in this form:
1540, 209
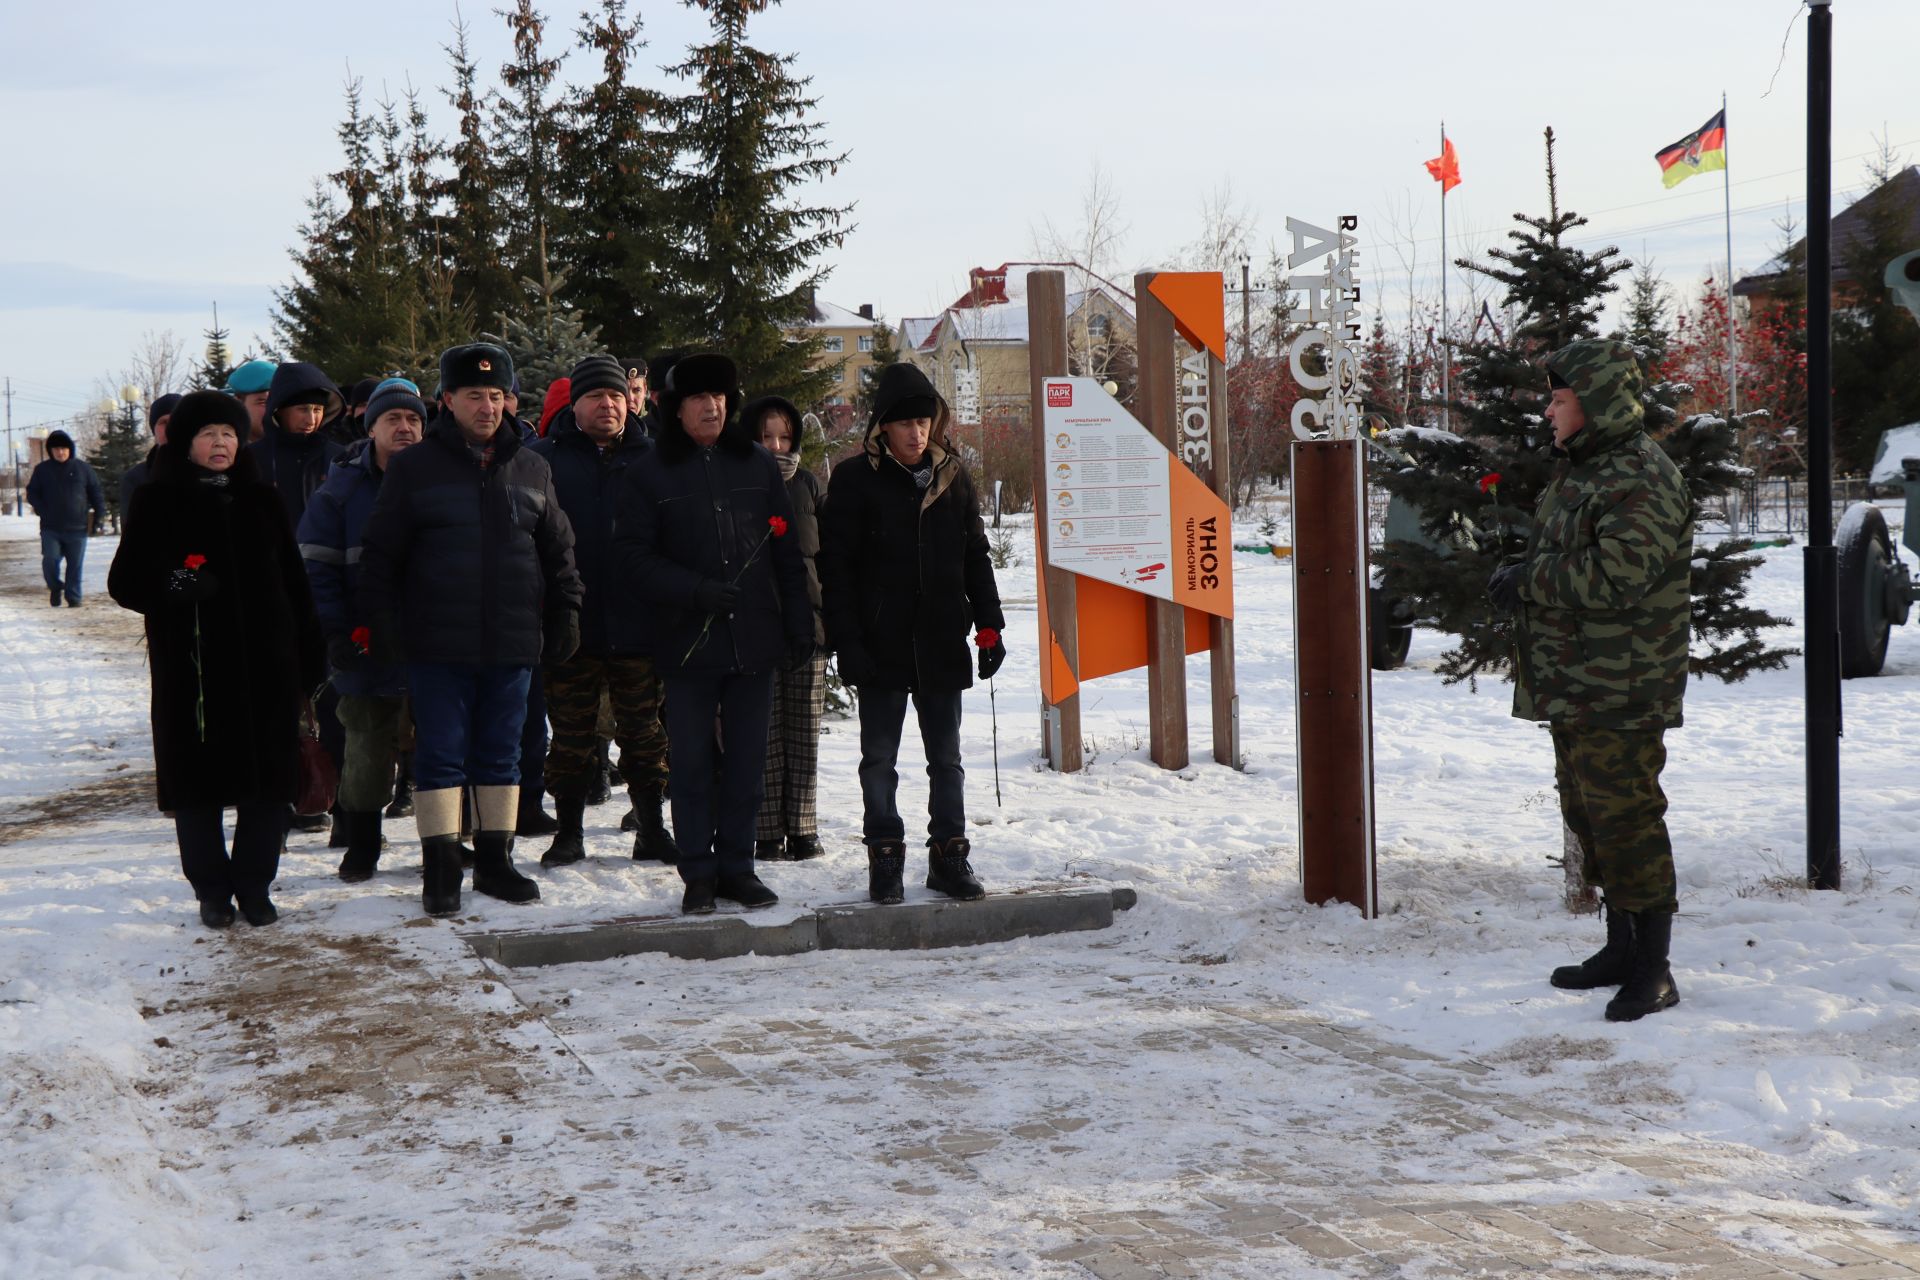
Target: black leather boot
804, 848
1649, 984
748, 890
770, 851
441, 875
652, 842
570, 845
493, 871
886, 871
402, 806
337, 836
600, 790
363, 845
949, 872
1606, 967
532, 820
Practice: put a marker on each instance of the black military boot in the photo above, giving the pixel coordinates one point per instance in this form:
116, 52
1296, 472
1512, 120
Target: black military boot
886, 871
1606, 967
949, 872
363, 845
698, 898
651, 841
532, 820
308, 823
1649, 984
441, 875
402, 806
493, 871
600, 789
570, 845
337, 834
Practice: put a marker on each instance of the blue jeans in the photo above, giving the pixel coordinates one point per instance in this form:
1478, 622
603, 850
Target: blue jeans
56, 543
467, 722
533, 737
883, 713
713, 817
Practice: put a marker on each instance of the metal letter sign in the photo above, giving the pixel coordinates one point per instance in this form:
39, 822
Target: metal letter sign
1333, 691
966, 396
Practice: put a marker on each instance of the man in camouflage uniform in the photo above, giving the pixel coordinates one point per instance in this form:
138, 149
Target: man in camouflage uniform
1602, 623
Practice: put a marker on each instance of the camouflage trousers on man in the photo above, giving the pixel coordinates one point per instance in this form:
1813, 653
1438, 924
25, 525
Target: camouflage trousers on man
574, 690
378, 729
1610, 797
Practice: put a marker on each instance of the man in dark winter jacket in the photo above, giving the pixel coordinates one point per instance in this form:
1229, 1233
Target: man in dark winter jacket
250, 383
371, 694
699, 538
591, 450
904, 572
65, 493
468, 575
1602, 609
295, 452
158, 414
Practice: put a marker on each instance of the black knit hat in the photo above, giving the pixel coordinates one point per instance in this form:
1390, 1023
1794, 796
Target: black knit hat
902, 391
161, 407
394, 393
362, 392
199, 410
596, 373
58, 440
478, 364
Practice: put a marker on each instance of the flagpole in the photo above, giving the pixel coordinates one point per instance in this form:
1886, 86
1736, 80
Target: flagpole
1733, 333
1446, 361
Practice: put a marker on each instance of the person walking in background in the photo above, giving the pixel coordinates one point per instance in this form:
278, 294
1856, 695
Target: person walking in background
140, 472
788, 826
372, 694
1602, 610
702, 538
234, 650
66, 494
905, 570
591, 450
468, 575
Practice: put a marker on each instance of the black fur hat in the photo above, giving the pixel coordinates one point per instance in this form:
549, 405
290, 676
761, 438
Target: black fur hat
478, 364
706, 371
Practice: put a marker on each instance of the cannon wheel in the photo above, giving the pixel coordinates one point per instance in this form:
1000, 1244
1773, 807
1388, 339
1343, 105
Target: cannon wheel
1866, 562
1389, 631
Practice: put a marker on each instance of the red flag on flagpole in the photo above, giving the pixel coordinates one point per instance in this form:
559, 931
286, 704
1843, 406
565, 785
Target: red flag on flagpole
1445, 167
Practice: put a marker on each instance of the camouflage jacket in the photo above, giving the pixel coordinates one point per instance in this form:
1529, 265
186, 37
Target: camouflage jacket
1605, 619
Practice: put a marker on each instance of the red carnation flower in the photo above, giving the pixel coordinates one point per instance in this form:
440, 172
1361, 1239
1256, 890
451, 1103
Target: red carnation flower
362, 639
778, 524
195, 561
986, 638
1490, 482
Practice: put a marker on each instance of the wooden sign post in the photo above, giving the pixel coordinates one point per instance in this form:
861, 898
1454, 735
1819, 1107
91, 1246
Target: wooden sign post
1060, 743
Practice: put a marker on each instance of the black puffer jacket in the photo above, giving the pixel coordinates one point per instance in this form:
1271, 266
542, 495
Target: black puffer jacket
297, 465
588, 482
231, 673
906, 574
467, 559
807, 495
689, 514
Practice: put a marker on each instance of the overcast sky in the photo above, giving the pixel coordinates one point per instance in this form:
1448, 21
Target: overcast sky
159, 157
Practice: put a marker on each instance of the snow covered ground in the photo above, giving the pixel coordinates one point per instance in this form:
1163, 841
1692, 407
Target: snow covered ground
351, 1091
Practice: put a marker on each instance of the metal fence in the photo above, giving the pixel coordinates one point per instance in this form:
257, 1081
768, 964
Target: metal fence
1776, 506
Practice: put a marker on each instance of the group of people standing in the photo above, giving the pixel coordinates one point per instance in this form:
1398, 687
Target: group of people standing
435, 580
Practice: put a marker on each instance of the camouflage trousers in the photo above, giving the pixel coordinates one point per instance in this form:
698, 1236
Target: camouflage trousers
787, 807
574, 691
1610, 797
375, 728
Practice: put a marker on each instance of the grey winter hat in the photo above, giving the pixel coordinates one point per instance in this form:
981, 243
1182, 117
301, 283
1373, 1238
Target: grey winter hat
596, 373
394, 393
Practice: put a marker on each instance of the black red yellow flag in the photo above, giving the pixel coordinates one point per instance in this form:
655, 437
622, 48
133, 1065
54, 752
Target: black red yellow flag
1702, 151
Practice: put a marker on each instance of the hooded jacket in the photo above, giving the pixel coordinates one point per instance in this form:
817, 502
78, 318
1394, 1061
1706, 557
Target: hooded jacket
1605, 621
294, 465
807, 495
332, 543
466, 558
231, 673
63, 493
588, 482
906, 574
688, 514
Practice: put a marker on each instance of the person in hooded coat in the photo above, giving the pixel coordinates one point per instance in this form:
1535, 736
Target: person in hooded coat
295, 451
234, 650
904, 574
66, 494
701, 537
140, 472
788, 826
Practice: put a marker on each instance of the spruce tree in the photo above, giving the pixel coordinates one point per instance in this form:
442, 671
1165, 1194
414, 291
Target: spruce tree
122, 444
1476, 489
883, 353
1644, 322
481, 280
525, 134
545, 337
749, 250
611, 225
217, 366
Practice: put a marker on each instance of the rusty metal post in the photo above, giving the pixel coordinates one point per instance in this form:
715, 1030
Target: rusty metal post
1059, 620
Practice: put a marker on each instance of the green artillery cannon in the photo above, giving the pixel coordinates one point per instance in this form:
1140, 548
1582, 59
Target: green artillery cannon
1876, 588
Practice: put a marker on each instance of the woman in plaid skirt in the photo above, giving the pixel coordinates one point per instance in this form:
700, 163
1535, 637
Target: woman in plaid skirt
787, 828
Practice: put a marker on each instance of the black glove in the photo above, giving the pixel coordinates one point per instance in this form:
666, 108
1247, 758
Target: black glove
344, 655
856, 668
562, 637
991, 655
1503, 588
715, 596
191, 586
799, 654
